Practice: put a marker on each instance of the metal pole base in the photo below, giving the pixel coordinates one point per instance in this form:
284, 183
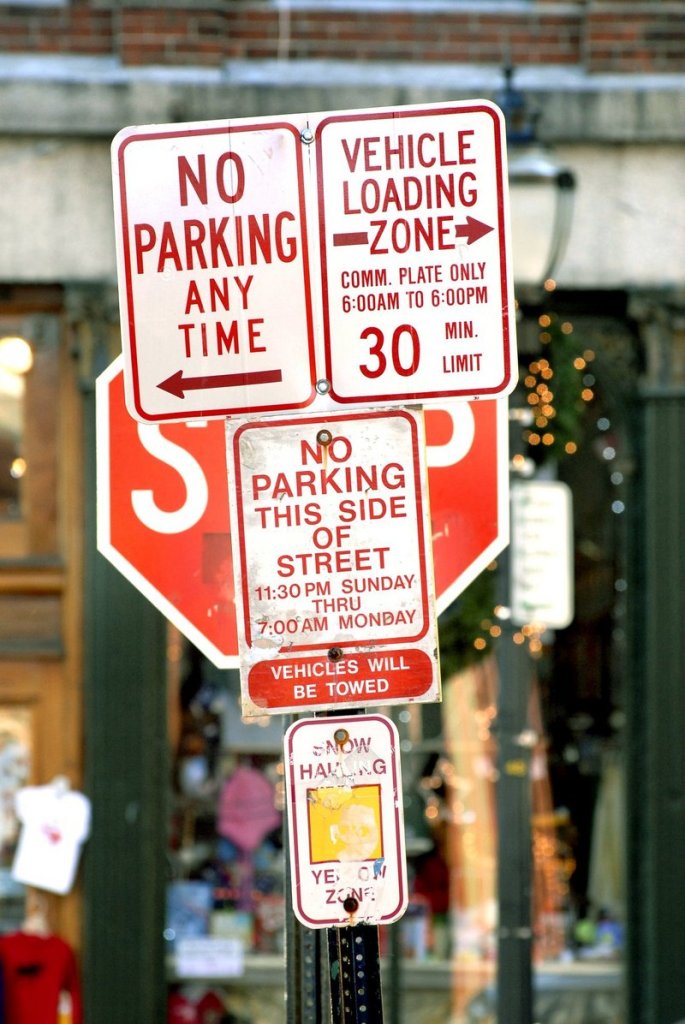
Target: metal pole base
355, 975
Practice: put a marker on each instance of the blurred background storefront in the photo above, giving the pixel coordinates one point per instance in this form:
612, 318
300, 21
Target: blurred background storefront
96, 687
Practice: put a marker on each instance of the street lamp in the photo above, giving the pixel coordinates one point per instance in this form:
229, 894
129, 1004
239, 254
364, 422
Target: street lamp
541, 192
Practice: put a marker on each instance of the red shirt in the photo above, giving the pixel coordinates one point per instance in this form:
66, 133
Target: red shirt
35, 969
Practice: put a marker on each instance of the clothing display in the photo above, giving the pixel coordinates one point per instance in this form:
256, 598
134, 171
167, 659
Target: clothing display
181, 1009
210, 1008
246, 812
606, 883
35, 970
245, 817
55, 822
187, 1007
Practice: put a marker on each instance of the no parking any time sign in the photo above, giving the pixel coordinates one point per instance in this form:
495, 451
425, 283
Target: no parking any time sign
334, 583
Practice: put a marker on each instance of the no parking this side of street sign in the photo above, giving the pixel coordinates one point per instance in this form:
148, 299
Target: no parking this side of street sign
334, 584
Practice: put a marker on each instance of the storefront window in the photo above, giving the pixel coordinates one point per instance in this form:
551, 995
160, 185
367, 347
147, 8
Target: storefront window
226, 899
29, 433
229, 874
16, 360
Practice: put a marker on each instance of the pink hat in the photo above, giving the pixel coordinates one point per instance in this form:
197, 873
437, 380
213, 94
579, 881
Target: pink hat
246, 811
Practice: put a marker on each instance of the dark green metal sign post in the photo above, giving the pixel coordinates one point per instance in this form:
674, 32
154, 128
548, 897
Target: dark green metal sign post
333, 975
355, 975
514, 854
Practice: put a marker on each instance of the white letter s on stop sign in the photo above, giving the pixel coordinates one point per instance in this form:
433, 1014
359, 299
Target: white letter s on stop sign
183, 463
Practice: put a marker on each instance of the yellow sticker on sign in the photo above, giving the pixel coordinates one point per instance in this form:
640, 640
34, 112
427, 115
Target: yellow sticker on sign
348, 827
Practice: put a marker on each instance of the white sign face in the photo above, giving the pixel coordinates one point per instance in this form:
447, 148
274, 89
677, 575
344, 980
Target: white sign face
346, 830
413, 226
541, 553
213, 269
334, 587
362, 255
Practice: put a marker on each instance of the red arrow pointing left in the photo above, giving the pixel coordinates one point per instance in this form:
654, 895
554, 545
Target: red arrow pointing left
177, 384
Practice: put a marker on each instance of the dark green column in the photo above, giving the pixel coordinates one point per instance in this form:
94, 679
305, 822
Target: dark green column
125, 774
656, 683
514, 834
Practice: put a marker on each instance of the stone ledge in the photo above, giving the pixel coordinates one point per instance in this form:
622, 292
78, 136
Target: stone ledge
91, 97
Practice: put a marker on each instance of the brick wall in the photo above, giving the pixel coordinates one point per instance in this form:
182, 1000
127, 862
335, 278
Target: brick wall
626, 37
597, 35
462, 36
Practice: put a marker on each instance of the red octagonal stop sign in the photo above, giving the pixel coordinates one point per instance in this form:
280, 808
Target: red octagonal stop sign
163, 517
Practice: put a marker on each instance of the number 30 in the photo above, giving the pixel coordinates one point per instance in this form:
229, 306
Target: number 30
402, 367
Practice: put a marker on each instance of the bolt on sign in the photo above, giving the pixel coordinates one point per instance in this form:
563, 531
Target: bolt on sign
334, 584
344, 807
362, 256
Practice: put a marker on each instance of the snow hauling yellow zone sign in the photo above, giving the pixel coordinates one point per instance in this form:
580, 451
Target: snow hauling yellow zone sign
344, 804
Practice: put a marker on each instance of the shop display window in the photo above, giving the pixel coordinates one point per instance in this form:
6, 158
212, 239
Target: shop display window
226, 900
225, 894
29, 427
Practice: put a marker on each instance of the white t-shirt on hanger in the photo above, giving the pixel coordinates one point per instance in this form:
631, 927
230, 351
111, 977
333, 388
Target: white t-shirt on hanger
55, 823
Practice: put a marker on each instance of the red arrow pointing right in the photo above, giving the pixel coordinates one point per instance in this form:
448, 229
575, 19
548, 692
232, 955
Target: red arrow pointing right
472, 230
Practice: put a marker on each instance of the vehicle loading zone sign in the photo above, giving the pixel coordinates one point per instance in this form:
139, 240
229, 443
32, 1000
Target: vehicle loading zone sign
413, 223
346, 831
334, 586
360, 255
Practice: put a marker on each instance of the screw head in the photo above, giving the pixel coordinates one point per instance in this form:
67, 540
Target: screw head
341, 736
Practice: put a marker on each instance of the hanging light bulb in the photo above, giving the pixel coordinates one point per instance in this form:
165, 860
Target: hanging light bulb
16, 355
